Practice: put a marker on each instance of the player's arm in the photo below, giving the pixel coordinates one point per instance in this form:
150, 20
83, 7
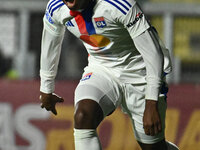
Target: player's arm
148, 46
52, 38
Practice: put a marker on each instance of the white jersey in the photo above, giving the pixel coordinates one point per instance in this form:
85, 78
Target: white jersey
107, 29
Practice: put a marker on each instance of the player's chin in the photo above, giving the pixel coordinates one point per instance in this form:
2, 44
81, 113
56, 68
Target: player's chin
77, 4
72, 5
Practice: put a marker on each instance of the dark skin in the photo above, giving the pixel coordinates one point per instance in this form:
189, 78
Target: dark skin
48, 101
151, 119
76, 4
157, 146
88, 114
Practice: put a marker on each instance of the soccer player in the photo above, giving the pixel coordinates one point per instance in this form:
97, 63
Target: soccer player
127, 65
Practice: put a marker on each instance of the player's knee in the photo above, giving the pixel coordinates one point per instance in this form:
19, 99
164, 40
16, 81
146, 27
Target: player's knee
81, 116
88, 115
85, 120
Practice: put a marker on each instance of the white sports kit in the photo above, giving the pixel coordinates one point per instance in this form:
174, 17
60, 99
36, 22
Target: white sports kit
125, 65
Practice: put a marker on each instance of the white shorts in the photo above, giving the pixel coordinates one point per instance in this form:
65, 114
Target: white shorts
101, 86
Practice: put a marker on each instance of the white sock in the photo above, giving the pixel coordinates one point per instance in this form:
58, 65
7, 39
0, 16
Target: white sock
171, 146
86, 139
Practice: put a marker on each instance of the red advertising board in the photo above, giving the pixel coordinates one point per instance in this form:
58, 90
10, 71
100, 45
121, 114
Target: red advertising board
25, 126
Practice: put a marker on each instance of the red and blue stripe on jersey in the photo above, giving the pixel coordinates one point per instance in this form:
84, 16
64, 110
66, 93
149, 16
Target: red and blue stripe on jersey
86, 27
84, 20
87, 30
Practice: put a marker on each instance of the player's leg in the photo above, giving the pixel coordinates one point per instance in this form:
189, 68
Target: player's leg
156, 142
88, 115
162, 145
135, 105
95, 98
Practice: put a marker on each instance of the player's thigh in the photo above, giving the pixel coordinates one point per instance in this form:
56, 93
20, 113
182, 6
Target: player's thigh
99, 87
134, 104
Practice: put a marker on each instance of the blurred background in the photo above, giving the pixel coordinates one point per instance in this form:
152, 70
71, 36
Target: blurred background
24, 126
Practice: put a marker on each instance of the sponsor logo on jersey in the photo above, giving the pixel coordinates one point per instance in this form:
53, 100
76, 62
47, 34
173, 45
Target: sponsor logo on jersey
100, 22
137, 17
69, 24
87, 76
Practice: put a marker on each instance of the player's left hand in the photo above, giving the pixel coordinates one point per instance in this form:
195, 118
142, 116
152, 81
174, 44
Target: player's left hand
151, 120
48, 101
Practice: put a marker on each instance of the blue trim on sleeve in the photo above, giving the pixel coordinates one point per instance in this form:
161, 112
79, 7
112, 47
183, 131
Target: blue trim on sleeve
127, 3
116, 6
122, 5
56, 8
50, 3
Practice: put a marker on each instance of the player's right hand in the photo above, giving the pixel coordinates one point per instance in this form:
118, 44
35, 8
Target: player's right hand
151, 119
48, 101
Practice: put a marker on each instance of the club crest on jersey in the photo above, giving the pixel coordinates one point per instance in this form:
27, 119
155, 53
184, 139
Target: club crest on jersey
86, 76
100, 22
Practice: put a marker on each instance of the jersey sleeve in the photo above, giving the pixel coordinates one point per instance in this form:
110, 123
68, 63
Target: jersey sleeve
166, 53
134, 21
52, 37
148, 46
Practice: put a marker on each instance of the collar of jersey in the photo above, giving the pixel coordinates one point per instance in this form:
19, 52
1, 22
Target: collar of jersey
86, 12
